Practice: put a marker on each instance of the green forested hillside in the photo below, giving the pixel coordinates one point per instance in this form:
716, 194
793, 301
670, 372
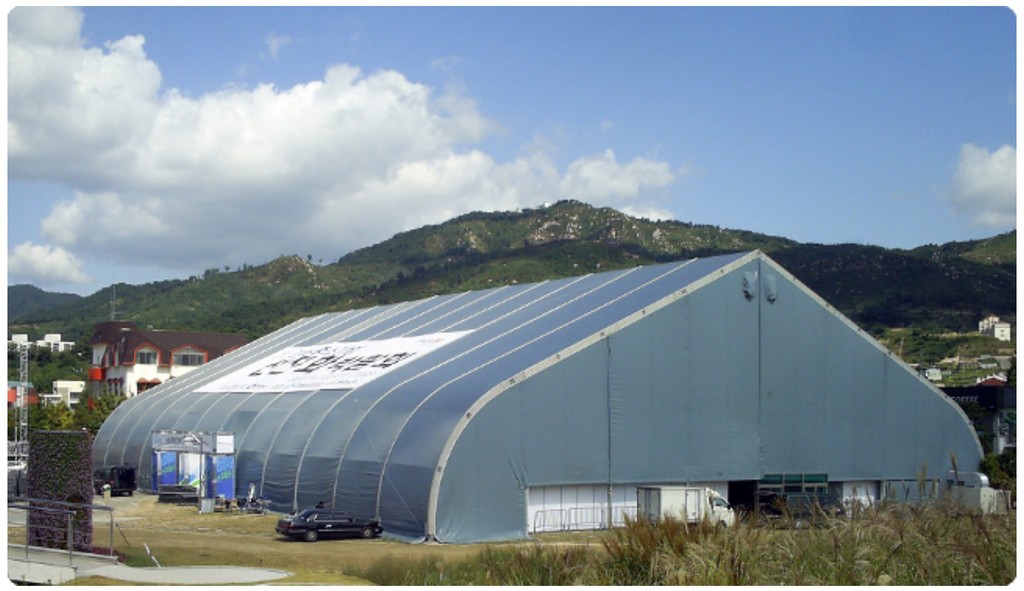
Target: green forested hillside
949, 286
26, 299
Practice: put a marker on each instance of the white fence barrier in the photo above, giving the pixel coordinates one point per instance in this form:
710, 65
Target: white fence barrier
580, 518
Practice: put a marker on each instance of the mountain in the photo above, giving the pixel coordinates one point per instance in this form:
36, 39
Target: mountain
951, 285
27, 299
928, 287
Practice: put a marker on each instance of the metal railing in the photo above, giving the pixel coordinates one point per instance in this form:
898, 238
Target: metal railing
21, 507
580, 518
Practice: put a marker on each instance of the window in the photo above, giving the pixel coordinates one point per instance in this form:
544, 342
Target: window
794, 483
145, 357
189, 357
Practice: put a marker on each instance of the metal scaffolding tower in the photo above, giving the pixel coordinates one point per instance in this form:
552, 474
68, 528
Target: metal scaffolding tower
21, 407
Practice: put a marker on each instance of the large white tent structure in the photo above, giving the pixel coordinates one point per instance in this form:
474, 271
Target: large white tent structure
487, 415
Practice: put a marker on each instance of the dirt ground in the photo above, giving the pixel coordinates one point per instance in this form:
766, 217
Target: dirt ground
178, 535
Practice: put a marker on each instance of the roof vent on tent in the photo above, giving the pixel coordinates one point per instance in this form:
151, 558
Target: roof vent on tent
750, 284
771, 291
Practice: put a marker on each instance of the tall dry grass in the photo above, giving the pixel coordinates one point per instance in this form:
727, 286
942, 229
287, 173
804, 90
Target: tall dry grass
935, 544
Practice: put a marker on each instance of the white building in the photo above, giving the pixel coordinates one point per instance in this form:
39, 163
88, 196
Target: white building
52, 342
128, 360
993, 327
67, 391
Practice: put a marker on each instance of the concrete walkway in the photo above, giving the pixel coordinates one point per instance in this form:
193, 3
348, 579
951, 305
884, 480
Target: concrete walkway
55, 567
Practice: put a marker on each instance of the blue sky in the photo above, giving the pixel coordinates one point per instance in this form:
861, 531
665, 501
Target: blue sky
155, 143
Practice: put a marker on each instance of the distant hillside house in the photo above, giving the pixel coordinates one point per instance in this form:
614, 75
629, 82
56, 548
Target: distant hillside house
52, 342
128, 360
993, 327
68, 392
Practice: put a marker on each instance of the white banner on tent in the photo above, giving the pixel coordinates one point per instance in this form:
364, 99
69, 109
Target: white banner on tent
329, 366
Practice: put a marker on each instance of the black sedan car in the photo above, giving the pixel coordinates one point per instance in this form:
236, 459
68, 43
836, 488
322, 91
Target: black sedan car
313, 524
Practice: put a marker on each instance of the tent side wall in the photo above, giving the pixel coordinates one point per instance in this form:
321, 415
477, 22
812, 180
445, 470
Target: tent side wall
664, 398
683, 387
833, 400
551, 428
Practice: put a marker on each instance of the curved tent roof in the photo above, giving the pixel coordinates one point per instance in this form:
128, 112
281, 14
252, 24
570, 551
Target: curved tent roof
437, 415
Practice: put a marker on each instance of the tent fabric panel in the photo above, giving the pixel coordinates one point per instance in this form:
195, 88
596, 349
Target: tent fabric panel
255, 445
794, 401
439, 309
804, 341
192, 414
217, 411
550, 428
848, 360
326, 444
939, 440
137, 447
522, 302
331, 442
241, 419
285, 452
681, 378
110, 442
489, 304
564, 429
482, 492
395, 315
338, 326
335, 326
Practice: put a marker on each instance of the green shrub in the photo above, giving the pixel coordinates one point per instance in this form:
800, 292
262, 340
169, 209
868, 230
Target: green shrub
61, 471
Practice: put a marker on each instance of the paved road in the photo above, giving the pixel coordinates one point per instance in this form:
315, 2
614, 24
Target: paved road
55, 567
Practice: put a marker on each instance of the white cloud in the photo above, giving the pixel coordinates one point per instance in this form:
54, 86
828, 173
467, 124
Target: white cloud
246, 174
43, 265
81, 108
601, 178
650, 213
447, 64
276, 42
985, 186
53, 27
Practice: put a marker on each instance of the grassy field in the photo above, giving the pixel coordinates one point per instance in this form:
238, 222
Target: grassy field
898, 545
178, 535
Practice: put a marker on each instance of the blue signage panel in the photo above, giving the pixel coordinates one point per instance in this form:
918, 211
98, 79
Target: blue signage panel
224, 477
168, 466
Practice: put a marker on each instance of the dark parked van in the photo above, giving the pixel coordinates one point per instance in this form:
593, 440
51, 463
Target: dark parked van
121, 480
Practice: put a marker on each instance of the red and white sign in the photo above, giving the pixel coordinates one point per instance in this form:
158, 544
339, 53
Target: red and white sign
329, 366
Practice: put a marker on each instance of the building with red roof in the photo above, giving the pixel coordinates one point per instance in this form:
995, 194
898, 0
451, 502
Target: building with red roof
128, 360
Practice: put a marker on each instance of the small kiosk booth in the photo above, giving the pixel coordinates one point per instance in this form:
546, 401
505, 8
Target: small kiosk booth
203, 461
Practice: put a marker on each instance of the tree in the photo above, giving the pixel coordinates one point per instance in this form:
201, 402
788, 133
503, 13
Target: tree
92, 411
1001, 469
48, 417
45, 366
